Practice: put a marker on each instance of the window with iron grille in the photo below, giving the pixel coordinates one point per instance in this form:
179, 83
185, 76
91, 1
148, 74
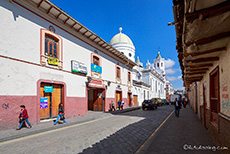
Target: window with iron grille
129, 76
118, 72
96, 60
51, 47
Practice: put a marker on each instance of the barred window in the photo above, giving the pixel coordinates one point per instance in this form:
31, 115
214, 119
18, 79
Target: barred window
51, 47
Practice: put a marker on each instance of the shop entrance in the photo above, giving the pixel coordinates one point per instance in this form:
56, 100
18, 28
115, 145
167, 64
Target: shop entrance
129, 99
50, 97
118, 97
135, 100
96, 99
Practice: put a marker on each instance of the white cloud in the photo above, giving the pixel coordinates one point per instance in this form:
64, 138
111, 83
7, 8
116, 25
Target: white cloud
169, 63
179, 77
181, 88
170, 71
173, 78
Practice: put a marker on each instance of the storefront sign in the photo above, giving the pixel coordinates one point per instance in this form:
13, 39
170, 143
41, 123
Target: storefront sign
43, 103
118, 87
48, 89
53, 61
78, 67
96, 68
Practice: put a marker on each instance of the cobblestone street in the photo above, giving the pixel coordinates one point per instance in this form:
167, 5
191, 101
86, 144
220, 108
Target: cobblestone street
111, 133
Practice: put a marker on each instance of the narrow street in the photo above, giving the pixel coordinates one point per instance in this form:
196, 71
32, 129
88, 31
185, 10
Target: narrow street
120, 133
138, 131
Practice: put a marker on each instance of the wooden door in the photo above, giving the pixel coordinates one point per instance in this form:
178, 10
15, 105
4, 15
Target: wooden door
98, 100
95, 100
129, 99
135, 102
118, 98
90, 99
45, 113
56, 99
214, 97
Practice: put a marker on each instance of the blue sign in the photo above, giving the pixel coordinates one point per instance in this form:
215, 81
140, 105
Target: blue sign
48, 89
96, 68
43, 103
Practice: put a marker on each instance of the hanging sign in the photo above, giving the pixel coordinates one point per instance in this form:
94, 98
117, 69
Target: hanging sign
48, 89
78, 67
96, 68
119, 87
43, 103
53, 61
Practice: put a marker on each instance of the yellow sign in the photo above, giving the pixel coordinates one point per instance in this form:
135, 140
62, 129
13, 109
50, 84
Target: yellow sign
53, 61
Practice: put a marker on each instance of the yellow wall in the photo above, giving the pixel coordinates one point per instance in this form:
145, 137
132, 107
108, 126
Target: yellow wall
224, 80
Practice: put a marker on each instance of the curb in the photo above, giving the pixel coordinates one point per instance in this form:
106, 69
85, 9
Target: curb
125, 110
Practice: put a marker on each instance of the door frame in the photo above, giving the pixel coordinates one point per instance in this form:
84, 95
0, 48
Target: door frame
63, 94
102, 99
96, 87
213, 72
129, 93
117, 91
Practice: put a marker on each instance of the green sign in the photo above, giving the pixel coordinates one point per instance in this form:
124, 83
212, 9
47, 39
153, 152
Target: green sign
78, 67
48, 89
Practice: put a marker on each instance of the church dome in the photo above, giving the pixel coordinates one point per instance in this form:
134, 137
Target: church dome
121, 38
123, 43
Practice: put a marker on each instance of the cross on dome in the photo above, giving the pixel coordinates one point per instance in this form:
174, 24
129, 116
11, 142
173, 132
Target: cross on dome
120, 29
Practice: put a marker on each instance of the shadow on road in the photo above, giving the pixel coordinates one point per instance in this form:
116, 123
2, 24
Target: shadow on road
130, 138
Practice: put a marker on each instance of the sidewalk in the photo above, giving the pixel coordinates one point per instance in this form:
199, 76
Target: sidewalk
125, 110
6, 135
178, 134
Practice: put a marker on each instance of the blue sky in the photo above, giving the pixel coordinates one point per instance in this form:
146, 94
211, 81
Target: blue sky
144, 21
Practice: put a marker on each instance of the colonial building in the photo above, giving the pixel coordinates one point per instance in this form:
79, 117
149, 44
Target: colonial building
148, 82
203, 44
47, 58
169, 89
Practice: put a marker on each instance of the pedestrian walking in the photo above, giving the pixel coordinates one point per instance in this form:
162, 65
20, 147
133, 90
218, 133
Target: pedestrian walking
23, 116
60, 114
177, 107
119, 105
113, 106
122, 105
184, 103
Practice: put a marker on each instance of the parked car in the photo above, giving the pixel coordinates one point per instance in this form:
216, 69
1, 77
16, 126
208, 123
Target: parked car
149, 104
165, 101
158, 101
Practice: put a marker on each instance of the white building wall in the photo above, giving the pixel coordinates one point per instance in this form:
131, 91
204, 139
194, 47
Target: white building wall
22, 30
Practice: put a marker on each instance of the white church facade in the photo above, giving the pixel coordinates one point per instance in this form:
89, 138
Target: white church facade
147, 83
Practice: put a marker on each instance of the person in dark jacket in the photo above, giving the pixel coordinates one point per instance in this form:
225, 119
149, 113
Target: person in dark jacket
119, 104
177, 107
60, 113
23, 116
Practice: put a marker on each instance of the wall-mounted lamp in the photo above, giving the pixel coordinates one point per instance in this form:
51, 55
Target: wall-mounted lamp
95, 51
89, 79
109, 82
